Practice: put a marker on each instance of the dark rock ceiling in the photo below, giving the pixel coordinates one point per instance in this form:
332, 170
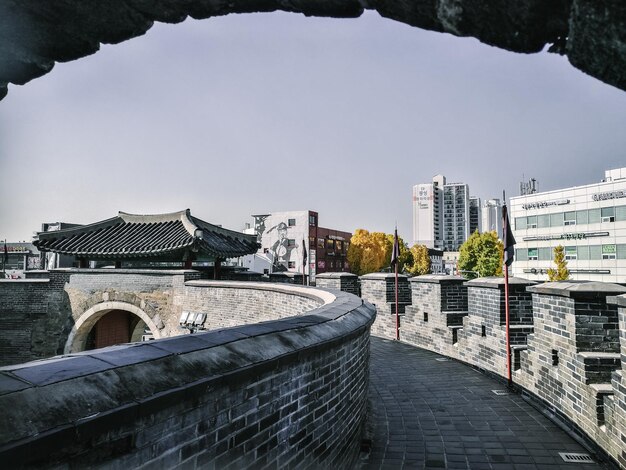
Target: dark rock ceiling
34, 34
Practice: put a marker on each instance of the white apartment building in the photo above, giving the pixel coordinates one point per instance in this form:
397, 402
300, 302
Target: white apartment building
492, 216
588, 221
428, 213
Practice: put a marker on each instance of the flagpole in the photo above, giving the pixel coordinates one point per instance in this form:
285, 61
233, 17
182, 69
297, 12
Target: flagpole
505, 230
397, 309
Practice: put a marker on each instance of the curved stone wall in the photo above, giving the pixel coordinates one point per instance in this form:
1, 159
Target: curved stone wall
286, 391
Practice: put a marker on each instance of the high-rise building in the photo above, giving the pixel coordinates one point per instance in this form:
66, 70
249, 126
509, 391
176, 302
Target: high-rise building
427, 213
475, 218
588, 221
441, 214
456, 221
492, 216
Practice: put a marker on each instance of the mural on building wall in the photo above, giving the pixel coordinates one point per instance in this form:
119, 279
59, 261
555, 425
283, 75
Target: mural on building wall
280, 251
259, 226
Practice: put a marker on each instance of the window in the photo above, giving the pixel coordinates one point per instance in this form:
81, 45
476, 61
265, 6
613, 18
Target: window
291, 222
521, 254
320, 243
555, 357
556, 220
312, 220
595, 252
330, 244
571, 252
621, 251
569, 218
608, 252
608, 214
532, 221
583, 253
533, 254
483, 330
594, 216
582, 217
620, 213
545, 254
291, 242
311, 242
338, 243
520, 223
291, 265
543, 220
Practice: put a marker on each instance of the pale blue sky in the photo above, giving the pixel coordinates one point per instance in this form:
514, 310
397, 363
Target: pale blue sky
247, 114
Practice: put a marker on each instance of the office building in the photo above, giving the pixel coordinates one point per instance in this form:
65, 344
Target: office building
588, 221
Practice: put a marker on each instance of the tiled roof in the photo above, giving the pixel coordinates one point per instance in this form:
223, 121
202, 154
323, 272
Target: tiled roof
139, 236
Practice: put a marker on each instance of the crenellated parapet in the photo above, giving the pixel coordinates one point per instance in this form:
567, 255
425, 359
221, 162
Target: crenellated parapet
567, 341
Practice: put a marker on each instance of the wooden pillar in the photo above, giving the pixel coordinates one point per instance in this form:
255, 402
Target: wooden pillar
216, 269
83, 263
118, 264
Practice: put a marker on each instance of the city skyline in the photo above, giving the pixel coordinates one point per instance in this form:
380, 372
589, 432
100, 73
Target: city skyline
254, 113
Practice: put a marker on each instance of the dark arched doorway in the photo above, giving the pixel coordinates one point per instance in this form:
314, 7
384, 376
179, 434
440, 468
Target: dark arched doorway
115, 327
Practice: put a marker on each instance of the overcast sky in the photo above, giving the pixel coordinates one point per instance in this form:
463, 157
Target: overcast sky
250, 114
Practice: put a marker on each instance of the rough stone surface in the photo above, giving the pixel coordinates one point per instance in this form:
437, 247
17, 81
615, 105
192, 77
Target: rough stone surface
34, 34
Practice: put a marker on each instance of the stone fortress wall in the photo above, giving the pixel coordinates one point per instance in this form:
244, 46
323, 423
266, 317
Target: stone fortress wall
567, 340
568, 348
290, 390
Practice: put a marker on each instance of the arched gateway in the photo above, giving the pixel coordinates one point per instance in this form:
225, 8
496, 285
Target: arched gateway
109, 323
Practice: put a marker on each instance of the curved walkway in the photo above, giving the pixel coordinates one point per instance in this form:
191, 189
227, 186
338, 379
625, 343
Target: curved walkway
430, 414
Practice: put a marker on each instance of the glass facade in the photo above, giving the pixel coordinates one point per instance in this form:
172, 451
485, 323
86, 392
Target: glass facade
582, 217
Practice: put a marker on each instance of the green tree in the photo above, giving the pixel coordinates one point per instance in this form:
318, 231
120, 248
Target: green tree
421, 260
481, 255
561, 273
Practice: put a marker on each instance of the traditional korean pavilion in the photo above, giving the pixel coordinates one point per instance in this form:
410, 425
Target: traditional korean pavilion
176, 238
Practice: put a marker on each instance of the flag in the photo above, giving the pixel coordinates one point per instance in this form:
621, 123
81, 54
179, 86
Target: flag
508, 238
303, 254
395, 254
6, 253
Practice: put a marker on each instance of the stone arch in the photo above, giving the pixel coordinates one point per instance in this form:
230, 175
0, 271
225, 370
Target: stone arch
77, 337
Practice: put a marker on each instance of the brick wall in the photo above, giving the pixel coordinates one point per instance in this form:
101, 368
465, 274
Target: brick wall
292, 392
345, 282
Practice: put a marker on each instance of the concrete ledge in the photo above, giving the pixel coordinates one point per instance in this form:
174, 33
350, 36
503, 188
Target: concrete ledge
335, 275
438, 279
619, 300
578, 289
376, 276
496, 282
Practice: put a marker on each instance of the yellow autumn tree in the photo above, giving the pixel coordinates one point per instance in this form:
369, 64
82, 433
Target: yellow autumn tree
421, 260
371, 252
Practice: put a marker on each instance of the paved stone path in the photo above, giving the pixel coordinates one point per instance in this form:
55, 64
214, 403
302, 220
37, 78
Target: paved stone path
430, 414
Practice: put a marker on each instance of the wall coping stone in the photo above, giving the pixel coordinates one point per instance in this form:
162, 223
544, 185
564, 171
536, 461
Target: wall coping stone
325, 296
163, 272
496, 282
179, 366
24, 281
438, 279
375, 276
619, 300
578, 289
334, 275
